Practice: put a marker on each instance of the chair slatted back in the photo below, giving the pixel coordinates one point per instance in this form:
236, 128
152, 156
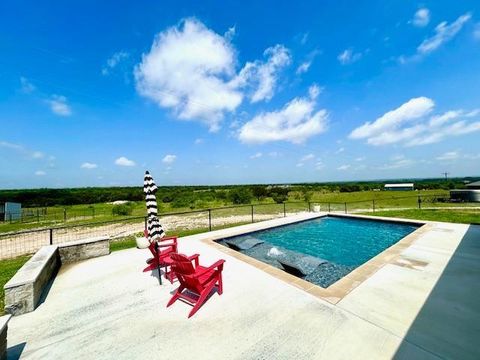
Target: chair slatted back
183, 268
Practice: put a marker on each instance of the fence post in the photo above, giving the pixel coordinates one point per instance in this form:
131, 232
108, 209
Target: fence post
284, 210
252, 214
345, 208
209, 219
51, 236
10, 217
373, 202
419, 202
309, 206
328, 207
38, 216
64, 214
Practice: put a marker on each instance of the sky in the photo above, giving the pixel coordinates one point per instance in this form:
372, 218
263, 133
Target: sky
220, 92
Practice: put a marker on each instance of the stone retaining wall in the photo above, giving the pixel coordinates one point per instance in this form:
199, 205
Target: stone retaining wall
24, 290
3, 336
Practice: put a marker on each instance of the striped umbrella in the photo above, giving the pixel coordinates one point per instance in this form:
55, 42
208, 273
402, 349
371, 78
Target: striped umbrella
154, 228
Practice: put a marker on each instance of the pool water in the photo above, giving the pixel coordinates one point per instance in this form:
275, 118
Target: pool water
345, 243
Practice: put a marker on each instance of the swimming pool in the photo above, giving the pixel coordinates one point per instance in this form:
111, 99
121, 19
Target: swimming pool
321, 250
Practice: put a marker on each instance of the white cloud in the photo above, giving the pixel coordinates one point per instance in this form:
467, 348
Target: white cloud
273, 154
295, 122
114, 60
198, 141
26, 86
190, 69
123, 161
443, 33
348, 56
30, 154
256, 156
449, 155
263, 76
340, 150
303, 67
87, 165
421, 17
409, 124
40, 173
319, 165
58, 105
169, 159
361, 158
476, 31
307, 157
343, 167
397, 162
304, 38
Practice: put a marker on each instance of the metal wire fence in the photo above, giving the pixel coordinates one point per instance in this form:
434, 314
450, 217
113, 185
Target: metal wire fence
17, 243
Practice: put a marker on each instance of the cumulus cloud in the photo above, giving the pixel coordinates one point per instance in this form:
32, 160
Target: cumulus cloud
449, 155
256, 156
476, 31
397, 162
87, 165
169, 159
190, 69
295, 122
443, 33
421, 17
303, 67
199, 141
307, 157
123, 161
26, 86
411, 125
263, 75
59, 105
114, 60
20, 149
348, 56
344, 167
40, 173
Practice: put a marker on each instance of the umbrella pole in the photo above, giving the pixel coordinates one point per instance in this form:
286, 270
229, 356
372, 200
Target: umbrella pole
158, 263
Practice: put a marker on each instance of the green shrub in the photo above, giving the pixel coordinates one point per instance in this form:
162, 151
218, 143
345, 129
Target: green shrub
123, 209
240, 196
279, 198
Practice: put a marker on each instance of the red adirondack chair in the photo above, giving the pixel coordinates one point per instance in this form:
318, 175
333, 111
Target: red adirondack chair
195, 280
161, 257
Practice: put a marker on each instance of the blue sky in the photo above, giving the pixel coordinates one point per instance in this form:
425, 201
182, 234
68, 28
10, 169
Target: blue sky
93, 93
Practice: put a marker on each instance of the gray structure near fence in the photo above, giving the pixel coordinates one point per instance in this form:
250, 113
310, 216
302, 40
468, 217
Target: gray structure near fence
10, 211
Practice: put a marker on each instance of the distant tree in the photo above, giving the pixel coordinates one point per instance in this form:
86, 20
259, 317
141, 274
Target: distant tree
279, 198
240, 196
259, 191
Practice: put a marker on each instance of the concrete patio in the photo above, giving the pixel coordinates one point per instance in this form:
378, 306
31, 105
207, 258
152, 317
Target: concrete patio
424, 303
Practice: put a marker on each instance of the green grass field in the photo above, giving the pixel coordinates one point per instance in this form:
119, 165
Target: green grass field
456, 216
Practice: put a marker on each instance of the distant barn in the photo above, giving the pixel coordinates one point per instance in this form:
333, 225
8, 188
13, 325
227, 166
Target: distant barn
399, 187
470, 194
10, 211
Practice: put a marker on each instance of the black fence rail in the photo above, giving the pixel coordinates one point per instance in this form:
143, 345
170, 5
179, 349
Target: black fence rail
23, 242
18, 243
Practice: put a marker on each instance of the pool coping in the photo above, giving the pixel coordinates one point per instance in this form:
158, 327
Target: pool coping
339, 289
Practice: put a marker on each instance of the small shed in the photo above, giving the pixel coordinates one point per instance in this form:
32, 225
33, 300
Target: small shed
400, 187
10, 211
473, 185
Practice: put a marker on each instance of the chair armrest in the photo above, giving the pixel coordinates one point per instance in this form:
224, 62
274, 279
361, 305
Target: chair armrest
173, 237
195, 258
218, 264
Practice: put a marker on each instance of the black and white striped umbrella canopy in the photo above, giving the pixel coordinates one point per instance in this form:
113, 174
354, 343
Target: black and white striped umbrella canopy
154, 228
